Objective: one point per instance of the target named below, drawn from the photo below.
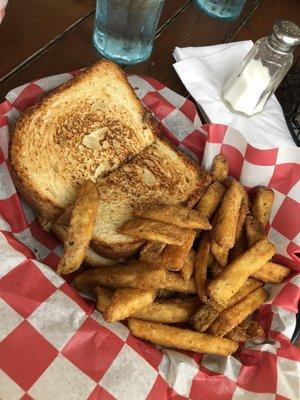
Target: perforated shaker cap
(285, 36)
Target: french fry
(45, 223)
(209, 312)
(254, 230)
(126, 302)
(151, 252)
(271, 273)
(139, 276)
(232, 278)
(240, 245)
(173, 257)
(175, 215)
(248, 287)
(210, 200)
(165, 294)
(182, 339)
(81, 228)
(254, 331)
(219, 169)
(220, 253)
(215, 268)
(65, 217)
(245, 200)
(224, 231)
(188, 266)
(241, 219)
(175, 283)
(246, 330)
(262, 205)
(91, 258)
(204, 317)
(140, 228)
(173, 311)
(233, 316)
(200, 270)
(104, 296)
(168, 256)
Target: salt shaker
(262, 70)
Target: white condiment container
(262, 70)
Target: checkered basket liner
(55, 345)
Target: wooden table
(46, 37)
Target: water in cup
(124, 29)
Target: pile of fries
(199, 276)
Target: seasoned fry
(262, 205)
(81, 228)
(141, 228)
(168, 256)
(204, 317)
(126, 302)
(188, 266)
(165, 294)
(220, 253)
(254, 331)
(246, 330)
(104, 297)
(210, 200)
(173, 311)
(175, 283)
(91, 258)
(61, 231)
(173, 257)
(175, 215)
(177, 338)
(151, 252)
(271, 273)
(139, 276)
(219, 169)
(65, 217)
(254, 230)
(225, 230)
(232, 278)
(233, 316)
(201, 264)
(215, 268)
(241, 219)
(45, 223)
(240, 245)
(248, 287)
(209, 312)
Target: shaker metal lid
(285, 36)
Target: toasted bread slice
(158, 175)
(82, 130)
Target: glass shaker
(258, 76)
(224, 10)
(124, 30)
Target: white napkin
(204, 70)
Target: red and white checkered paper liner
(54, 345)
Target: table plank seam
(34, 56)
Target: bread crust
(117, 250)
